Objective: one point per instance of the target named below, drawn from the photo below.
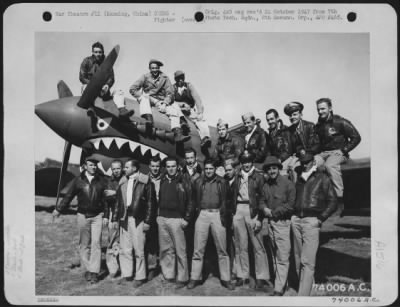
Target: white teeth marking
(144, 148)
(96, 143)
(119, 142)
(107, 142)
(132, 145)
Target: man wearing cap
(175, 213)
(338, 137)
(280, 194)
(89, 66)
(191, 105)
(229, 146)
(155, 89)
(248, 203)
(90, 188)
(280, 143)
(255, 138)
(315, 201)
(303, 135)
(134, 212)
(210, 195)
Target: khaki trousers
(172, 249)
(89, 241)
(210, 220)
(305, 246)
(280, 236)
(132, 239)
(243, 229)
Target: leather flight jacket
(143, 204)
(337, 133)
(229, 147)
(306, 139)
(91, 199)
(315, 197)
(256, 194)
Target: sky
(234, 73)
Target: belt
(243, 202)
(210, 210)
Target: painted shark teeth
(107, 141)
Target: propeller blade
(98, 80)
(64, 165)
(63, 89)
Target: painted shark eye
(102, 124)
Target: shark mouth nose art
(116, 145)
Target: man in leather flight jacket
(337, 137)
(135, 210)
(315, 201)
(248, 203)
(90, 188)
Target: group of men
(153, 89)
(255, 184)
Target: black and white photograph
(215, 162)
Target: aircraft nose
(64, 117)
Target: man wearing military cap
(255, 139)
(248, 203)
(91, 189)
(191, 105)
(315, 201)
(280, 195)
(303, 135)
(155, 89)
(229, 145)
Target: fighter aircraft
(92, 124)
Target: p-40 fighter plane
(92, 124)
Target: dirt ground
(343, 262)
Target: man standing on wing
(89, 67)
(90, 188)
(280, 194)
(315, 201)
(155, 89)
(248, 203)
(210, 194)
(338, 137)
(280, 143)
(135, 211)
(175, 213)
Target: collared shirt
(306, 175)
(89, 177)
(210, 196)
(243, 195)
(248, 136)
(280, 195)
(89, 67)
(191, 169)
(129, 190)
(156, 181)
